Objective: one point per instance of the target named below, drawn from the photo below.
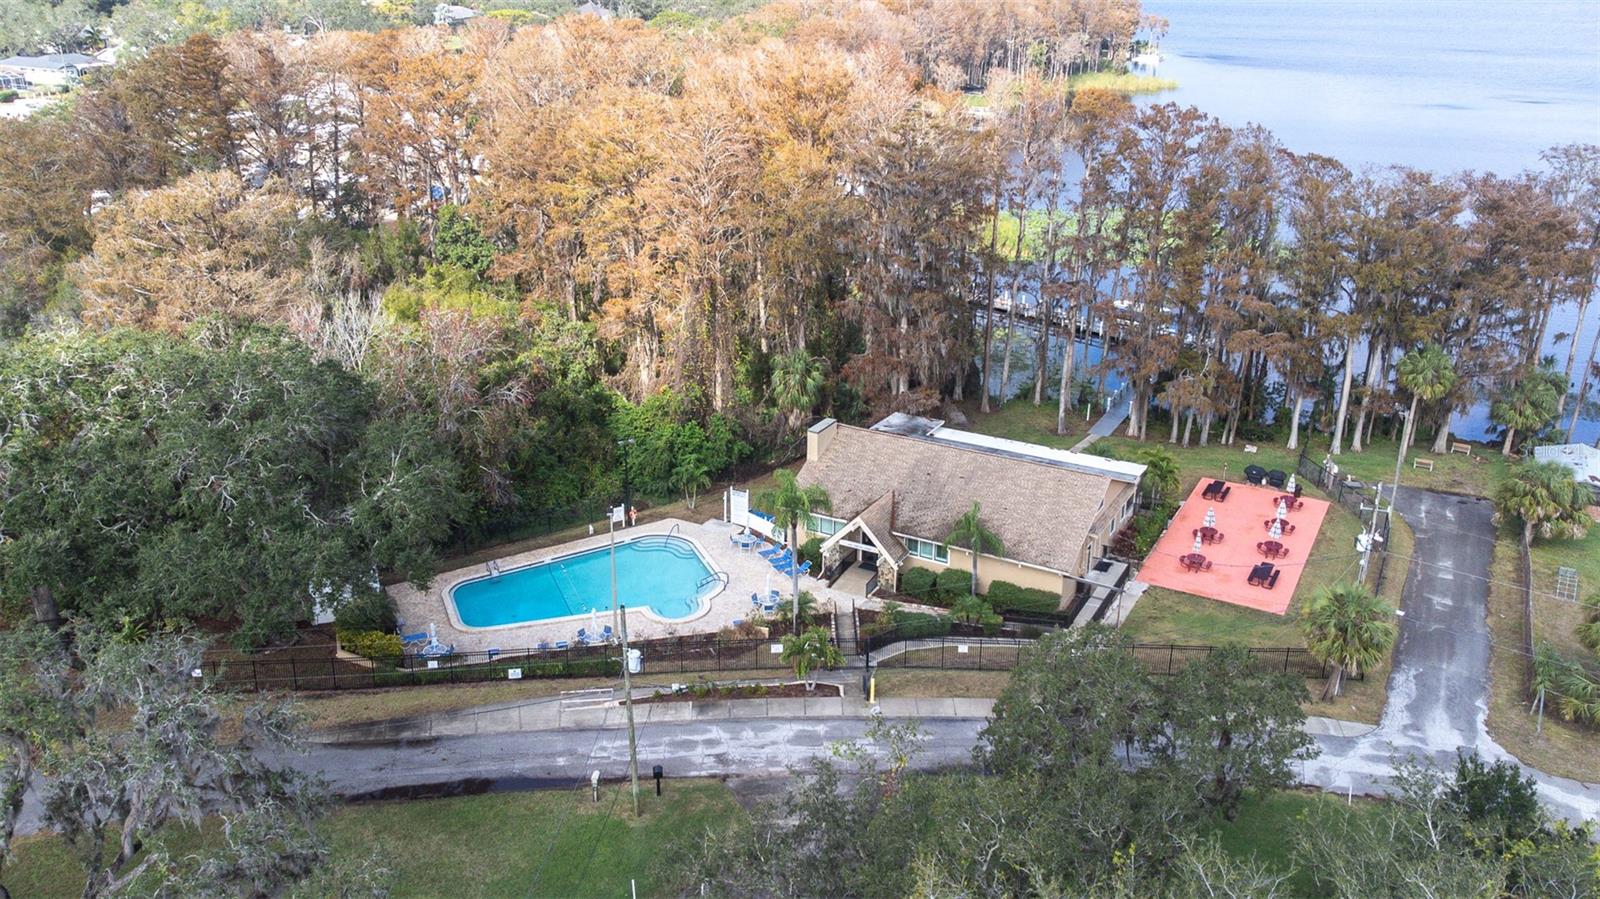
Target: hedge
(597, 667)
(1008, 597)
(912, 625)
(371, 644)
(918, 583)
(953, 583)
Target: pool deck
(747, 573)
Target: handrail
(674, 531)
(713, 576)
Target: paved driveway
(1439, 688)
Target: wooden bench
(1464, 449)
(1424, 464)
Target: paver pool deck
(1240, 521)
(747, 573)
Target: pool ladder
(493, 567)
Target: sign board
(738, 507)
(961, 648)
(619, 515)
(513, 674)
(777, 649)
(433, 663)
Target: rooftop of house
(934, 429)
(1583, 459)
(53, 61)
(1041, 508)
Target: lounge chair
(783, 561)
(773, 552)
(411, 639)
(605, 634)
(543, 646)
(583, 637)
(562, 644)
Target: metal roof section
(934, 429)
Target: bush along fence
(674, 655)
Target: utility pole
(627, 704)
(620, 614)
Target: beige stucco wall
(992, 569)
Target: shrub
(371, 644)
(1005, 596)
(1032, 632)
(974, 610)
(911, 625)
(1147, 527)
(366, 612)
(918, 582)
(811, 551)
(6, 96)
(952, 584)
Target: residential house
(898, 487)
(1583, 459)
(52, 70)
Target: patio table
(1193, 562)
(1272, 549)
(1283, 522)
(1208, 535)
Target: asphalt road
(755, 748)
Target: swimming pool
(665, 575)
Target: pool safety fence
(299, 670)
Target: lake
(1445, 86)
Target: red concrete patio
(1243, 522)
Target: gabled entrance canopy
(871, 531)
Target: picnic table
(1212, 490)
(1281, 522)
(1194, 562)
(1294, 503)
(1272, 549)
(1263, 575)
(1208, 535)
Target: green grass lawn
(1476, 474)
(1020, 419)
(1266, 826)
(553, 843)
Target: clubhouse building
(898, 488)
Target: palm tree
(970, 533)
(1349, 628)
(790, 504)
(1429, 374)
(1528, 405)
(1160, 472)
(809, 651)
(797, 382)
(1546, 499)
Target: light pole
(620, 614)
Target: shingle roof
(878, 517)
(1042, 513)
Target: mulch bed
(748, 691)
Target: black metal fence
(682, 655)
(1003, 654)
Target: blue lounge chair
(543, 645)
(780, 561)
(772, 552)
(583, 637)
(605, 634)
(562, 644)
(410, 639)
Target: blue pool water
(664, 574)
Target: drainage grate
(1567, 584)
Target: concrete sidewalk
(565, 714)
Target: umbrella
(1197, 544)
(1283, 509)
(594, 620)
(1290, 486)
(1277, 528)
(1211, 517)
